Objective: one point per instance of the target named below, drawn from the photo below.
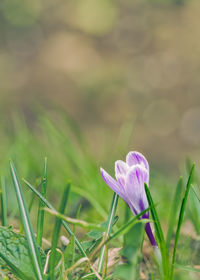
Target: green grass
(40, 218)
(90, 216)
(33, 249)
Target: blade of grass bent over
(108, 229)
(188, 268)
(75, 222)
(32, 245)
(66, 226)
(159, 233)
(57, 231)
(180, 220)
(4, 208)
(40, 219)
(174, 210)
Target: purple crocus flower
(129, 185)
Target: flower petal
(113, 184)
(134, 188)
(134, 158)
(121, 169)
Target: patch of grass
(90, 222)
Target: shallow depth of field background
(126, 72)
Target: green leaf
(14, 253)
(40, 219)
(66, 226)
(180, 220)
(32, 245)
(56, 232)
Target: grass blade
(159, 234)
(40, 219)
(188, 268)
(32, 245)
(66, 226)
(158, 229)
(75, 222)
(174, 210)
(108, 229)
(180, 220)
(57, 231)
(4, 208)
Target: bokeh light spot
(94, 16)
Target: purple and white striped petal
(134, 187)
(129, 184)
(113, 184)
(121, 169)
(134, 158)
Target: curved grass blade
(40, 219)
(4, 208)
(159, 234)
(75, 222)
(180, 220)
(66, 226)
(108, 229)
(174, 210)
(32, 245)
(188, 268)
(57, 231)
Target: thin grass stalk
(180, 220)
(108, 229)
(4, 207)
(40, 219)
(66, 226)
(32, 245)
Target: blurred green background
(125, 72)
